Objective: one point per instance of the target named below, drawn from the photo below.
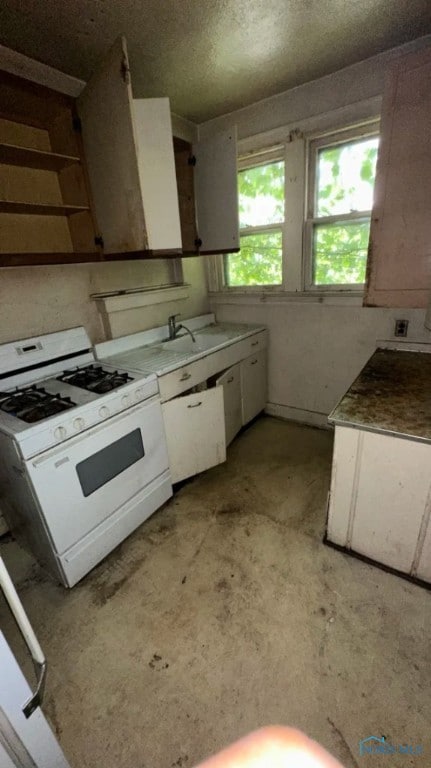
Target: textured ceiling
(212, 56)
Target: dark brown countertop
(392, 394)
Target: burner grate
(33, 404)
(95, 379)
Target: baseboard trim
(369, 561)
(302, 416)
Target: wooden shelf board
(45, 259)
(40, 209)
(11, 154)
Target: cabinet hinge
(198, 242)
(125, 70)
(77, 124)
(192, 160)
(98, 240)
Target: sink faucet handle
(172, 325)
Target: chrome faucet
(174, 329)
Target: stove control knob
(60, 433)
(139, 393)
(79, 423)
(104, 412)
(125, 400)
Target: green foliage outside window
(257, 263)
(340, 253)
(261, 195)
(344, 185)
(261, 203)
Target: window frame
(313, 145)
(292, 142)
(274, 154)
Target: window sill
(253, 296)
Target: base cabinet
(380, 499)
(195, 432)
(230, 380)
(205, 403)
(253, 385)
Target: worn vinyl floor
(225, 612)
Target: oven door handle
(20, 616)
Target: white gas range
(83, 458)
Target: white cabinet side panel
(216, 191)
(391, 499)
(156, 165)
(344, 466)
(105, 108)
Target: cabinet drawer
(195, 432)
(172, 384)
(254, 343)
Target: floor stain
(157, 663)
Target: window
(261, 221)
(341, 184)
(304, 213)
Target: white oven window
(106, 464)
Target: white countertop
(144, 351)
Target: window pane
(345, 177)
(340, 252)
(261, 195)
(257, 263)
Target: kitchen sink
(203, 342)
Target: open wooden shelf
(11, 154)
(40, 209)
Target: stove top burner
(33, 403)
(95, 379)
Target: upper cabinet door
(106, 110)
(216, 190)
(156, 166)
(399, 257)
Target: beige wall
(317, 350)
(36, 300)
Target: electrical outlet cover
(401, 327)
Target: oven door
(85, 480)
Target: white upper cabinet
(129, 152)
(216, 192)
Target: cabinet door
(216, 190)
(186, 194)
(253, 385)
(106, 110)
(230, 380)
(195, 433)
(156, 166)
